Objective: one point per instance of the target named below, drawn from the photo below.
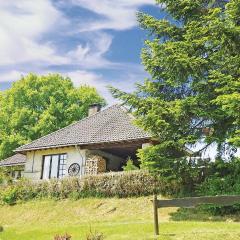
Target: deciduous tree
(37, 105)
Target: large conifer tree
(193, 93)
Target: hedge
(126, 184)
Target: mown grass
(115, 218)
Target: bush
(130, 166)
(207, 213)
(5, 177)
(126, 184)
(223, 180)
(9, 196)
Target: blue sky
(91, 41)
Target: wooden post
(155, 214)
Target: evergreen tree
(194, 90)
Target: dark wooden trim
(50, 169)
(43, 161)
(58, 165)
(110, 145)
(195, 201)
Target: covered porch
(111, 157)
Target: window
(62, 165)
(54, 166)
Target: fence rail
(189, 203)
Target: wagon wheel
(74, 169)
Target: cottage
(99, 143)
(15, 165)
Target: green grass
(115, 218)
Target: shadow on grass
(208, 213)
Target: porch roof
(15, 160)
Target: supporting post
(155, 214)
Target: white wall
(33, 166)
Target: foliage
(9, 196)
(223, 180)
(130, 165)
(5, 177)
(180, 175)
(127, 184)
(37, 105)
(194, 64)
(207, 213)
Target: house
(99, 143)
(15, 165)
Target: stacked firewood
(95, 164)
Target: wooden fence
(190, 202)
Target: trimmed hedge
(126, 184)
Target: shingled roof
(113, 124)
(15, 160)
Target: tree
(37, 105)
(194, 90)
(130, 165)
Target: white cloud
(22, 26)
(125, 82)
(11, 76)
(92, 54)
(25, 28)
(28, 30)
(117, 14)
(93, 80)
(81, 77)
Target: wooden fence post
(155, 213)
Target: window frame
(60, 155)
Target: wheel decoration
(74, 169)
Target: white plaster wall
(33, 166)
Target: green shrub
(5, 177)
(223, 180)
(9, 196)
(130, 166)
(126, 184)
(207, 213)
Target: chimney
(94, 108)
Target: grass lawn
(115, 218)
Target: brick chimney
(94, 108)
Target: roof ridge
(72, 124)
